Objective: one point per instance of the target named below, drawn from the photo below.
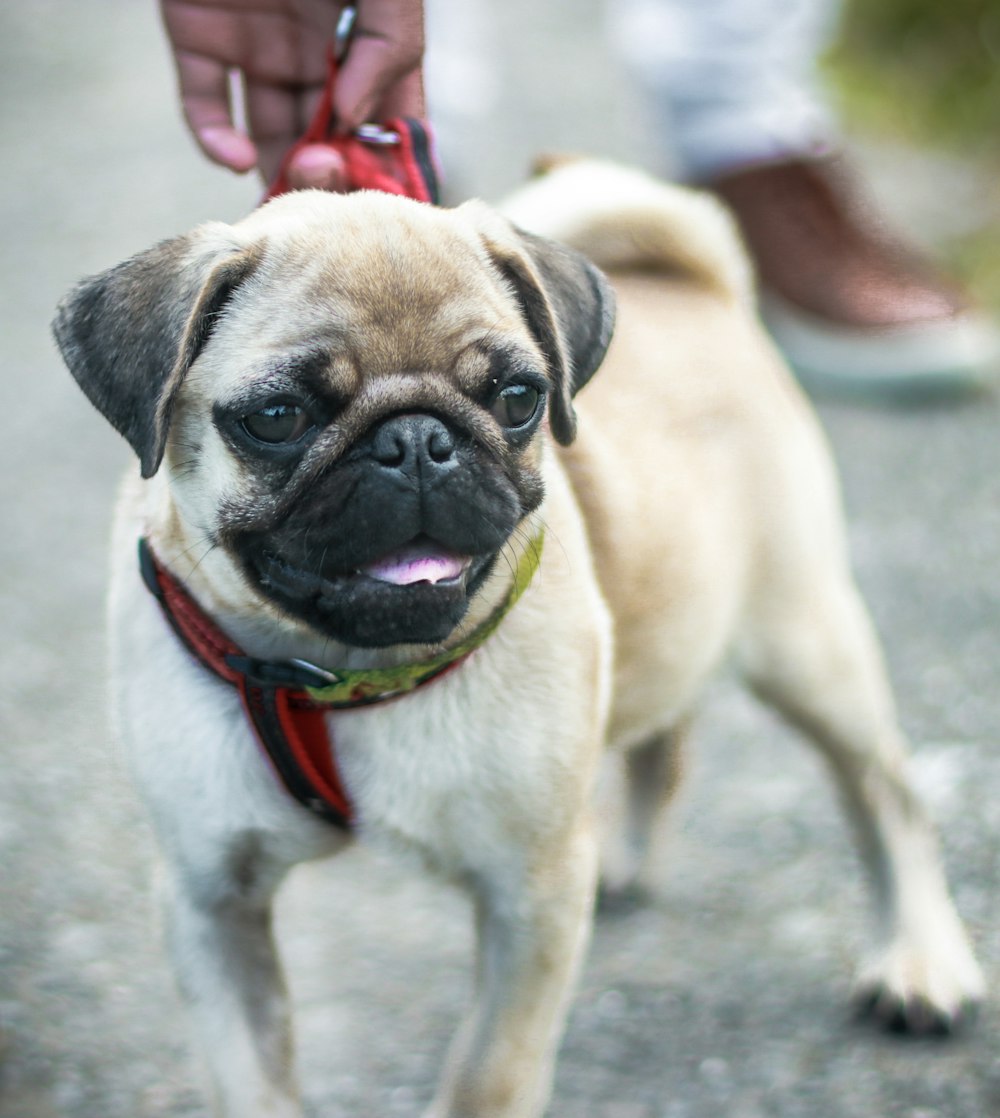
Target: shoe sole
(930, 359)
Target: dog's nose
(412, 443)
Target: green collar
(349, 688)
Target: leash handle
(395, 156)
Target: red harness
(287, 701)
(290, 724)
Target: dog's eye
(515, 405)
(277, 423)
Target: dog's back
(699, 466)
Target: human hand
(278, 50)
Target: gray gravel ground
(727, 996)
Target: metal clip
(376, 135)
(326, 678)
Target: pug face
(349, 395)
(378, 464)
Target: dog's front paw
(924, 989)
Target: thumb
(317, 167)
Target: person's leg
(732, 83)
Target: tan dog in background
(337, 391)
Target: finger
(405, 98)
(318, 167)
(277, 116)
(384, 56)
(373, 85)
(204, 92)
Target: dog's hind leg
(637, 787)
(810, 650)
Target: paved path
(725, 998)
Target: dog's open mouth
(416, 593)
(421, 560)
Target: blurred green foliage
(975, 259)
(926, 70)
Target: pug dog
(379, 496)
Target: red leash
(395, 157)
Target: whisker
(211, 547)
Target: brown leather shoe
(850, 304)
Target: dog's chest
(451, 767)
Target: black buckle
(281, 673)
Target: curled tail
(624, 218)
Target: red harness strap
(290, 726)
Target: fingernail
(229, 147)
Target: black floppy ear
(130, 334)
(569, 307)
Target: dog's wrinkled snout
(414, 445)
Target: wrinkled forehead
(395, 278)
(347, 294)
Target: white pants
(730, 82)
(725, 82)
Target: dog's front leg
(532, 929)
(228, 972)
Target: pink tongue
(416, 563)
